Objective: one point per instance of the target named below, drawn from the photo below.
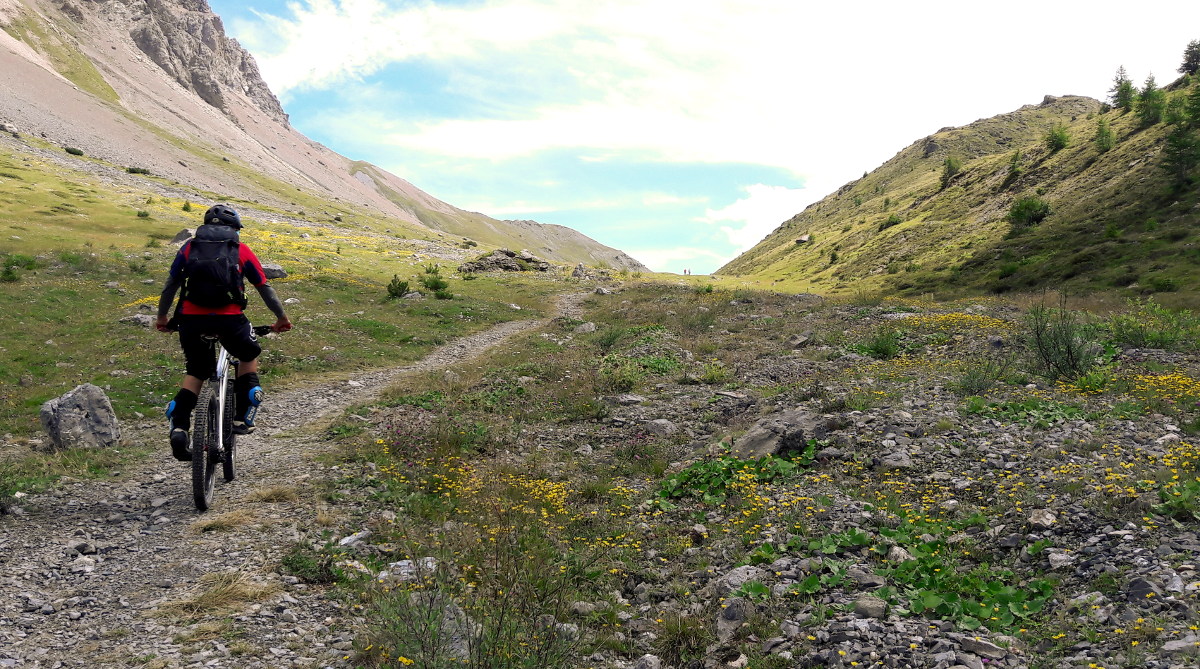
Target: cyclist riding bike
(212, 269)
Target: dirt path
(99, 573)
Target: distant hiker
(212, 268)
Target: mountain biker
(217, 283)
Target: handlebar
(262, 330)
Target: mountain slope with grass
(942, 215)
(157, 86)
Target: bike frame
(224, 362)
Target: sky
(681, 132)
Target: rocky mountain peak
(187, 40)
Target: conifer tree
(1152, 102)
(1181, 154)
(1192, 108)
(1191, 58)
(1122, 94)
(1105, 139)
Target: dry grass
(325, 518)
(278, 493)
(205, 631)
(224, 521)
(218, 593)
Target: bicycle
(213, 440)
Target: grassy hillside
(78, 253)
(1116, 221)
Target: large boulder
(780, 433)
(274, 270)
(82, 418)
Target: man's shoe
(242, 427)
(179, 444)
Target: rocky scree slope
(921, 526)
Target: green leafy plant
(73, 151)
(754, 591)
(712, 480)
(1033, 411)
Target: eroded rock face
(187, 40)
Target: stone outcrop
(780, 433)
(504, 260)
(187, 40)
(82, 418)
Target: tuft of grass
(217, 593)
(278, 493)
(223, 522)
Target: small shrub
(433, 268)
(443, 294)
(884, 344)
(892, 219)
(1029, 210)
(434, 283)
(73, 151)
(1148, 324)
(1163, 284)
(137, 170)
(143, 214)
(153, 243)
(397, 288)
(1057, 138)
(704, 288)
(187, 206)
(1059, 344)
(9, 274)
(950, 168)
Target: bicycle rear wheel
(204, 447)
(230, 441)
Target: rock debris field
(939, 508)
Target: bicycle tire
(204, 447)
(228, 459)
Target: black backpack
(212, 275)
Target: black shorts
(234, 333)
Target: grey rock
(896, 461)
(585, 328)
(1141, 590)
(736, 578)
(82, 418)
(141, 320)
(731, 618)
(870, 606)
(274, 270)
(779, 433)
(1043, 519)
(662, 427)
(648, 662)
(982, 647)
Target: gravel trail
(107, 572)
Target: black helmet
(223, 214)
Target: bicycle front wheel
(204, 446)
(230, 440)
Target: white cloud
(768, 82)
(760, 212)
